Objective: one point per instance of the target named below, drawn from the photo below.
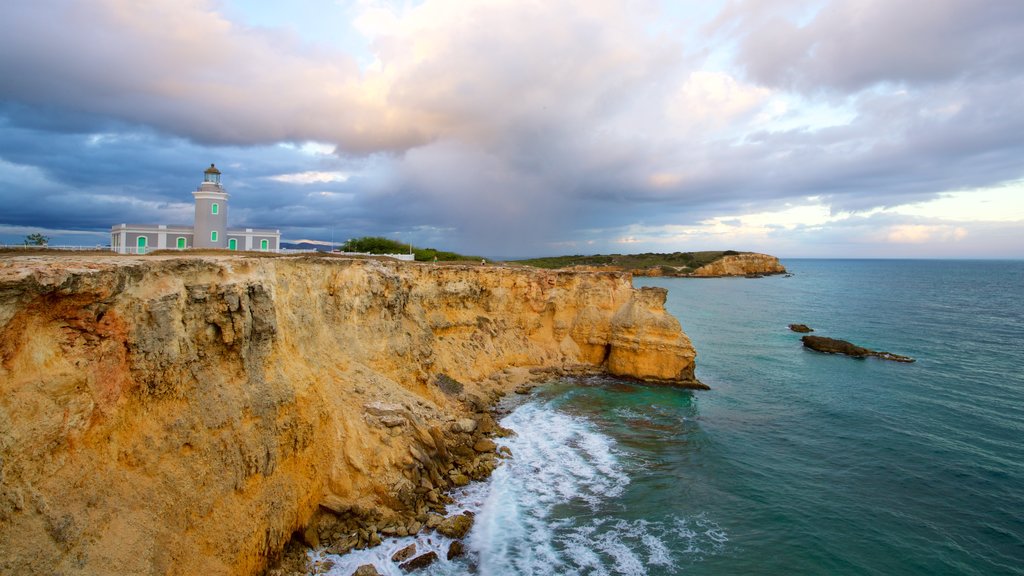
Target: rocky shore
(195, 415)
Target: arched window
(140, 243)
(214, 208)
(232, 244)
(181, 243)
(264, 244)
(213, 236)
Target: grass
(381, 245)
(670, 263)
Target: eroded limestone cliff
(167, 415)
(744, 264)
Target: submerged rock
(834, 346)
(802, 328)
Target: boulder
(802, 328)
(434, 520)
(485, 445)
(456, 526)
(404, 554)
(456, 549)
(421, 561)
(366, 570)
(467, 425)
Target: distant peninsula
(707, 264)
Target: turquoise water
(795, 462)
(830, 465)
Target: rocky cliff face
(187, 415)
(746, 264)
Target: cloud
(310, 177)
(921, 233)
(504, 126)
(849, 45)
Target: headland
(191, 414)
(708, 264)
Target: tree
(36, 239)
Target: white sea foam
(551, 509)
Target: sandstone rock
(743, 264)
(335, 504)
(385, 409)
(434, 520)
(803, 328)
(366, 570)
(485, 445)
(456, 526)
(323, 567)
(486, 423)
(392, 421)
(455, 549)
(310, 537)
(421, 561)
(404, 554)
(637, 329)
(467, 425)
(448, 385)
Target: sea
(795, 462)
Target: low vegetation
(381, 245)
(671, 263)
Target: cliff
(169, 415)
(744, 264)
(675, 264)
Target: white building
(210, 229)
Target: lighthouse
(209, 230)
(211, 223)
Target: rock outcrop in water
(743, 264)
(168, 415)
(833, 346)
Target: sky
(517, 128)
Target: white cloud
(922, 233)
(709, 100)
(310, 177)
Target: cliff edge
(187, 415)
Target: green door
(232, 244)
(264, 244)
(140, 243)
(181, 243)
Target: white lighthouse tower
(211, 224)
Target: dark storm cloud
(519, 128)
